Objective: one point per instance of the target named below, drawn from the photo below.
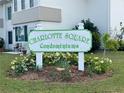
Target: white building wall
(1, 16)
(8, 25)
(116, 14)
(73, 11)
(1, 11)
(2, 33)
(98, 12)
(36, 3)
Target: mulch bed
(51, 74)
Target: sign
(60, 41)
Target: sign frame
(39, 54)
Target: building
(18, 17)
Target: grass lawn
(113, 84)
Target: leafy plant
(109, 43)
(113, 45)
(120, 37)
(105, 39)
(23, 64)
(97, 65)
(56, 58)
(121, 43)
(95, 33)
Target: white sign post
(60, 41)
(39, 55)
(81, 61)
(39, 60)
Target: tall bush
(109, 43)
(120, 37)
(95, 33)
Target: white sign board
(61, 41)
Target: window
(21, 33)
(23, 4)
(9, 13)
(31, 3)
(10, 41)
(15, 5)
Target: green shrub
(97, 65)
(109, 43)
(95, 34)
(112, 45)
(1, 42)
(23, 64)
(96, 42)
(105, 39)
(120, 38)
(121, 44)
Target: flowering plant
(98, 65)
(56, 57)
(23, 64)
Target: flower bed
(60, 67)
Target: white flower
(26, 69)
(32, 60)
(12, 62)
(102, 61)
(110, 61)
(26, 59)
(13, 67)
(21, 54)
(91, 53)
(57, 54)
(96, 58)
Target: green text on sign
(60, 41)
